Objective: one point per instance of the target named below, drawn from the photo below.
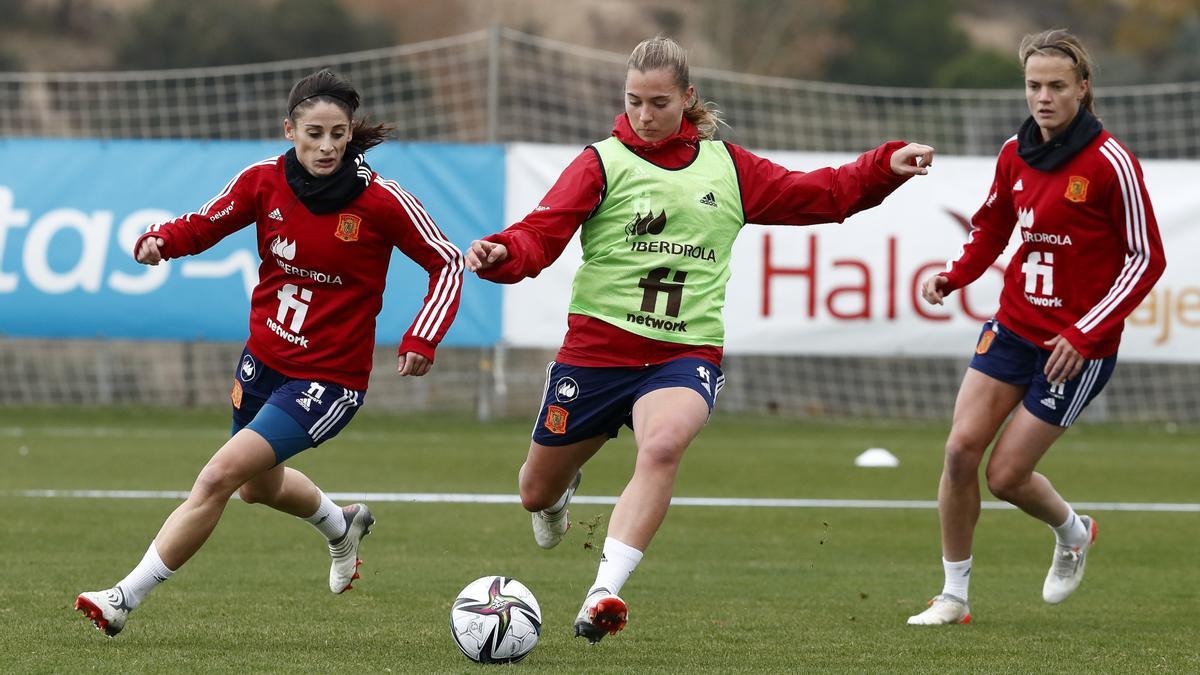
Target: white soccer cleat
(603, 613)
(106, 609)
(943, 610)
(550, 528)
(344, 549)
(1066, 570)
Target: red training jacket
(771, 195)
(1090, 248)
(320, 284)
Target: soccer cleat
(943, 609)
(106, 609)
(344, 549)
(550, 528)
(1066, 570)
(602, 614)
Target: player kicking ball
(645, 330)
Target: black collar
(328, 193)
(1049, 155)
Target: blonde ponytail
(662, 52)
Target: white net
(433, 91)
(502, 85)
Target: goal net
(499, 86)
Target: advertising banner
(71, 210)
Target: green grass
(720, 590)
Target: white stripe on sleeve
(1138, 259)
(431, 317)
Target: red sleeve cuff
(952, 283)
(508, 270)
(415, 345)
(162, 249)
(885, 162)
(1083, 344)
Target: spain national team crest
(347, 227)
(1077, 189)
(556, 419)
(236, 395)
(985, 341)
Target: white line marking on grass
(111, 432)
(217, 433)
(466, 498)
(104, 494)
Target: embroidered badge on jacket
(347, 227)
(1077, 189)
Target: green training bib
(656, 252)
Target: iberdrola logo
(1025, 218)
(282, 248)
(647, 224)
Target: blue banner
(71, 210)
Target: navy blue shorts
(582, 402)
(293, 415)
(1008, 357)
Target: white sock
(558, 505)
(958, 577)
(328, 519)
(617, 562)
(148, 574)
(1071, 532)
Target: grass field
(721, 589)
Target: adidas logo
(275, 215)
(1048, 402)
(709, 200)
(1018, 186)
(305, 403)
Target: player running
(1090, 251)
(326, 226)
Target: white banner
(853, 288)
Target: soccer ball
(495, 620)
